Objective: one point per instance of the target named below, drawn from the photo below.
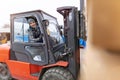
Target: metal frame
(70, 15)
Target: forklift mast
(82, 20)
(72, 34)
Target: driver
(34, 31)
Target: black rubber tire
(57, 73)
(4, 72)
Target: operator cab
(40, 53)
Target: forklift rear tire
(57, 73)
(4, 72)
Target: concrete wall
(101, 61)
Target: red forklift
(24, 60)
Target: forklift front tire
(57, 73)
(4, 72)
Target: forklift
(24, 60)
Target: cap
(31, 20)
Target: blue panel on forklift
(82, 43)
